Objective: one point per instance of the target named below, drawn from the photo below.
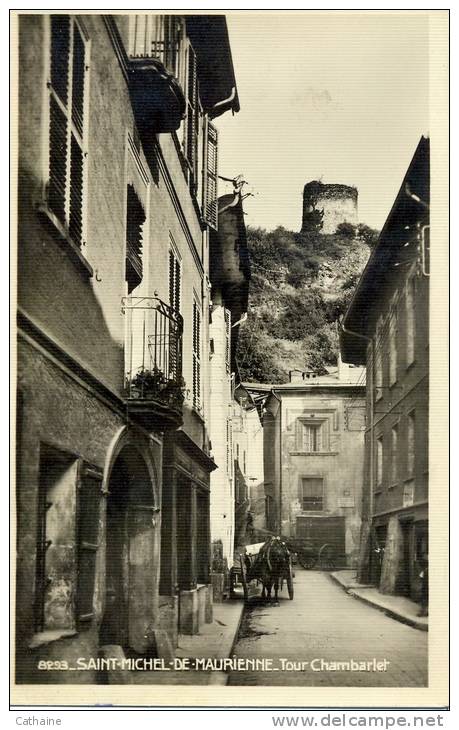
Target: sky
(338, 97)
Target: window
(229, 447)
(175, 275)
(312, 494)
(196, 355)
(410, 320)
(379, 461)
(56, 559)
(393, 345)
(192, 119)
(228, 340)
(68, 68)
(314, 437)
(67, 540)
(210, 201)
(394, 455)
(135, 218)
(411, 437)
(408, 493)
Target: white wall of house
(221, 481)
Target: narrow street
(323, 625)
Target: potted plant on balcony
(153, 384)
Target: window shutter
(57, 159)
(211, 181)
(171, 279)
(78, 73)
(196, 356)
(228, 340)
(60, 52)
(177, 286)
(318, 432)
(192, 114)
(135, 218)
(76, 192)
(89, 496)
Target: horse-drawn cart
(311, 554)
(268, 563)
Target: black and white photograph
(228, 304)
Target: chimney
(301, 376)
(296, 376)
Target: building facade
(117, 195)
(313, 459)
(387, 327)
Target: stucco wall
(341, 470)
(59, 412)
(84, 314)
(221, 485)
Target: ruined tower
(326, 206)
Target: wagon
(242, 571)
(310, 554)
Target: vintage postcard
(231, 274)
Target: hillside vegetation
(301, 284)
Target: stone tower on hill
(326, 206)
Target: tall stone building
(387, 328)
(313, 429)
(117, 196)
(327, 206)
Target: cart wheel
(245, 587)
(327, 557)
(306, 561)
(290, 582)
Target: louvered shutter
(78, 74)
(66, 160)
(135, 219)
(211, 179)
(76, 192)
(60, 52)
(177, 286)
(89, 498)
(196, 356)
(192, 115)
(57, 159)
(171, 279)
(228, 340)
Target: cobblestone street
(323, 625)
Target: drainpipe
(372, 435)
(280, 459)
(221, 106)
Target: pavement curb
(384, 609)
(221, 678)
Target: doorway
(130, 563)
(405, 572)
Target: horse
(270, 566)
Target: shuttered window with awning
(67, 82)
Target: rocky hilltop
(301, 284)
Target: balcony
(154, 384)
(157, 71)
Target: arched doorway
(131, 553)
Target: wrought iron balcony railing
(153, 353)
(159, 36)
(157, 57)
